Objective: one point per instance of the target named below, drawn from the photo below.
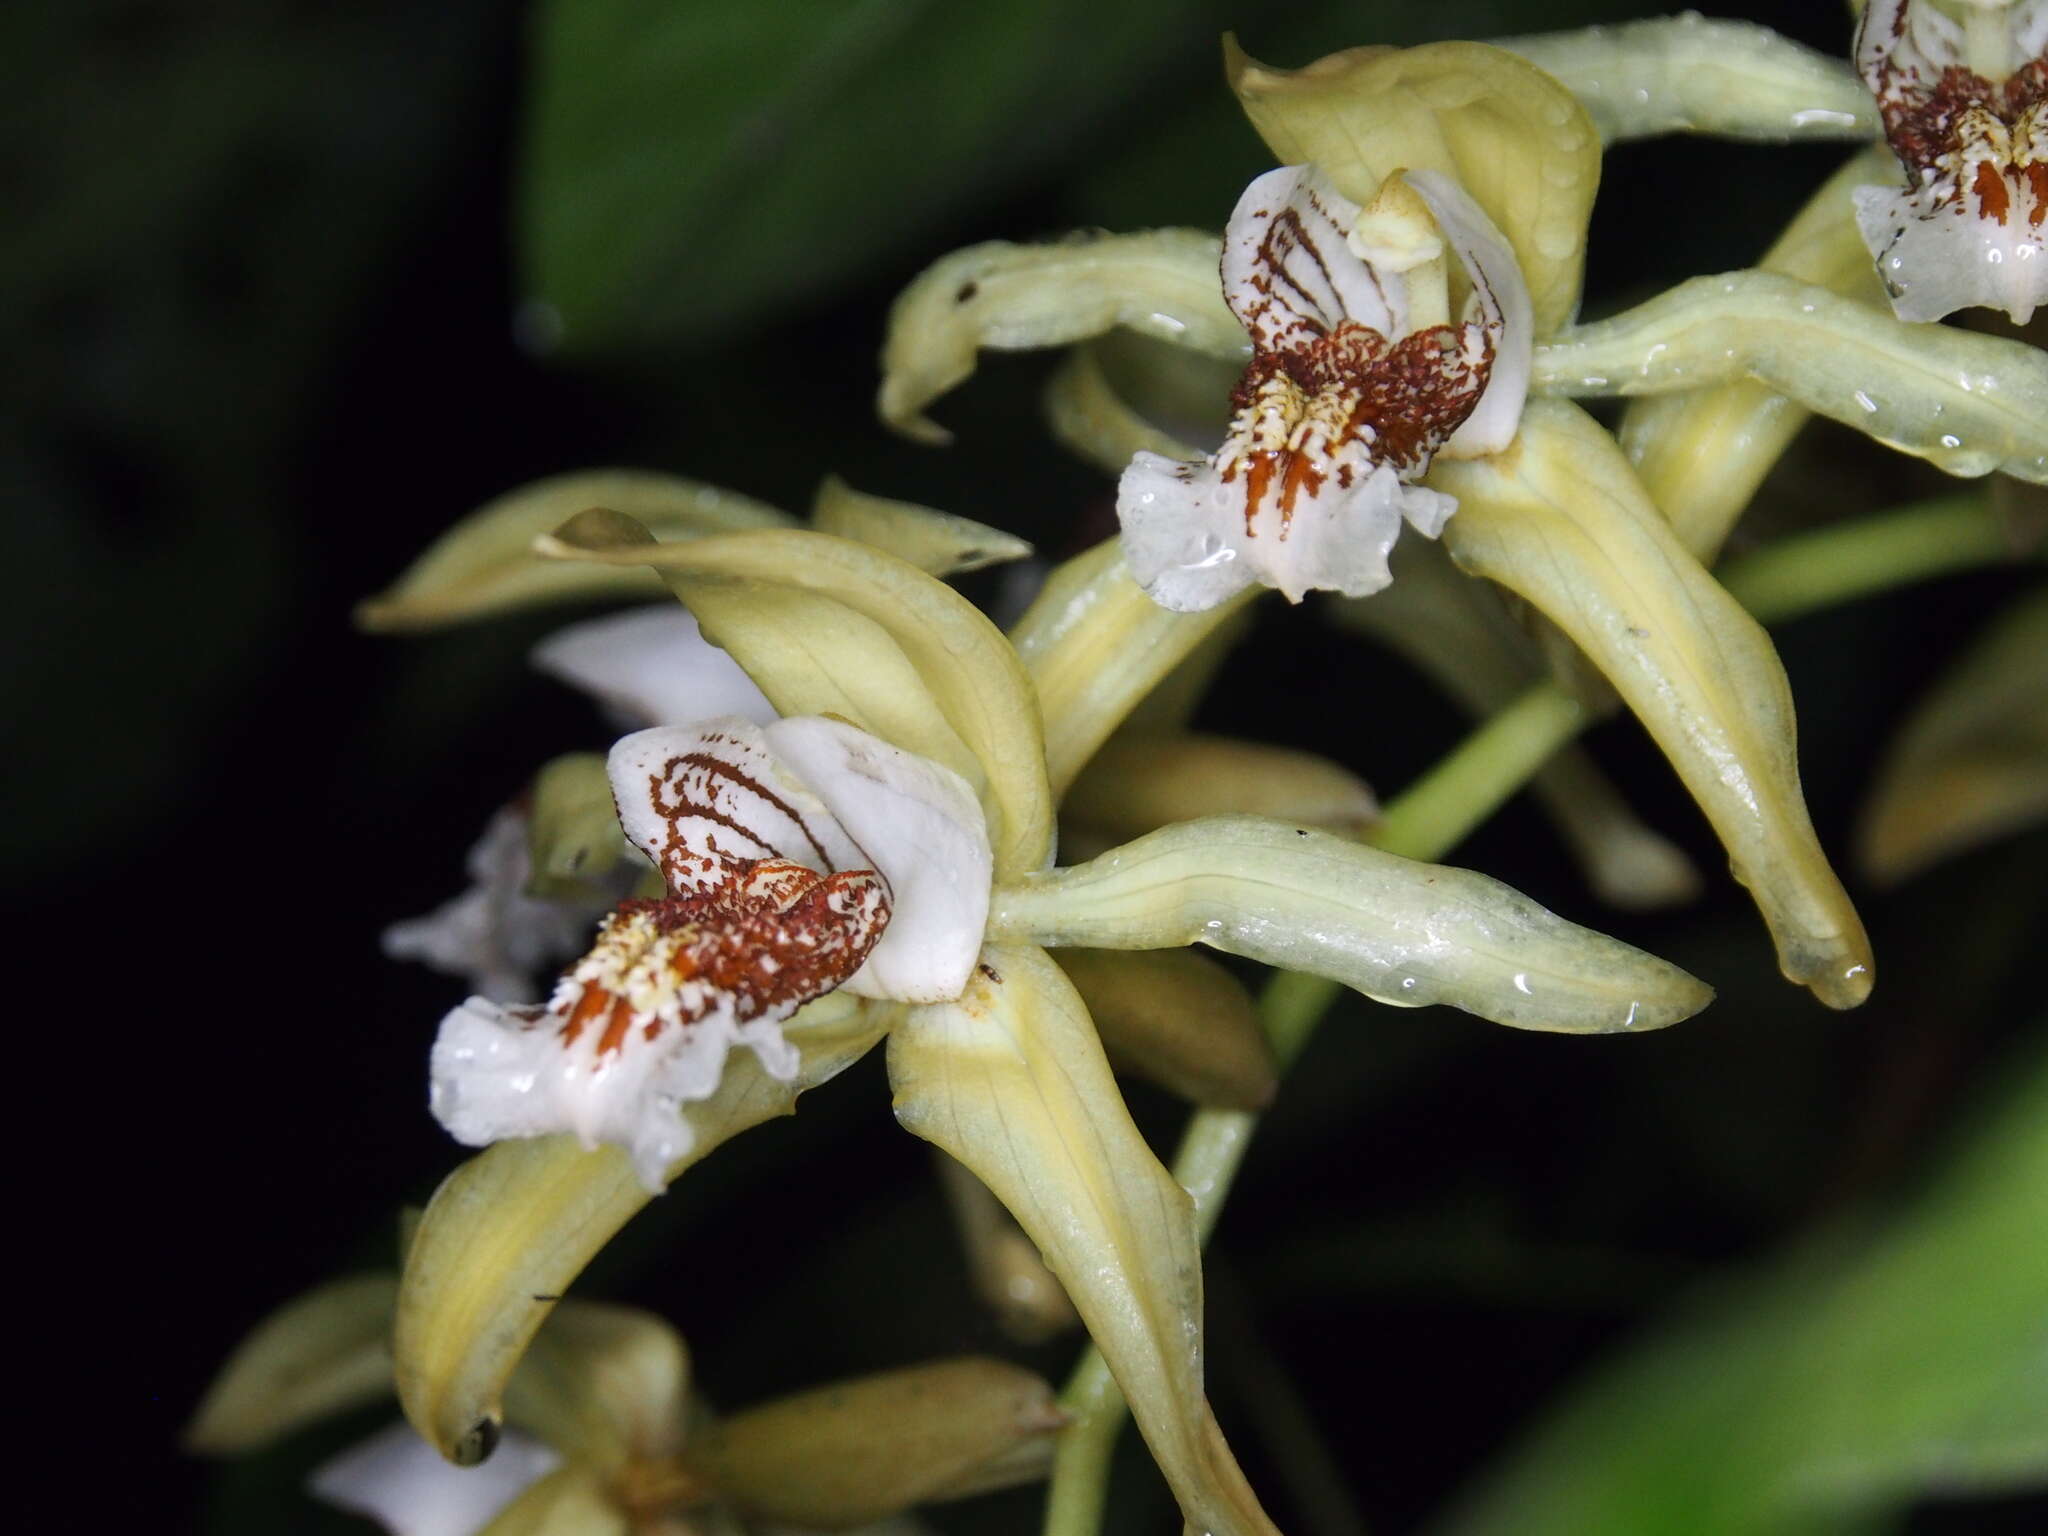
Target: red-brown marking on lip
(816, 929)
(1994, 201)
(1401, 400)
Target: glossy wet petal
(1010, 1079)
(1702, 453)
(1458, 632)
(1687, 74)
(1398, 930)
(1563, 522)
(1970, 404)
(1005, 296)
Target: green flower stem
(1849, 560)
(1791, 577)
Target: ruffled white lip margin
(798, 857)
(1344, 405)
(1970, 230)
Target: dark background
(257, 300)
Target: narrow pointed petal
(1140, 782)
(327, 1351)
(1512, 137)
(398, 1480)
(1967, 403)
(1458, 633)
(1686, 74)
(1398, 930)
(1094, 646)
(651, 666)
(1011, 297)
(1010, 1079)
(828, 626)
(485, 564)
(861, 1450)
(1702, 453)
(1971, 762)
(1177, 1019)
(933, 541)
(1562, 521)
(509, 1230)
(919, 826)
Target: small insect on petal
(1967, 116)
(1352, 388)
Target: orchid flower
(1965, 108)
(604, 1437)
(883, 850)
(1555, 513)
(647, 666)
(1357, 380)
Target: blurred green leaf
(688, 166)
(1971, 762)
(1841, 1382)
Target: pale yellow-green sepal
(485, 564)
(1093, 420)
(570, 1501)
(573, 838)
(1686, 74)
(1178, 1019)
(1971, 762)
(1140, 782)
(1010, 1079)
(1095, 645)
(509, 1230)
(1969, 404)
(1516, 140)
(603, 1385)
(1457, 631)
(325, 1352)
(1701, 454)
(856, 1451)
(1560, 519)
(1398, 930)
(828, 626)
(934, 541)
(1162, 283)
